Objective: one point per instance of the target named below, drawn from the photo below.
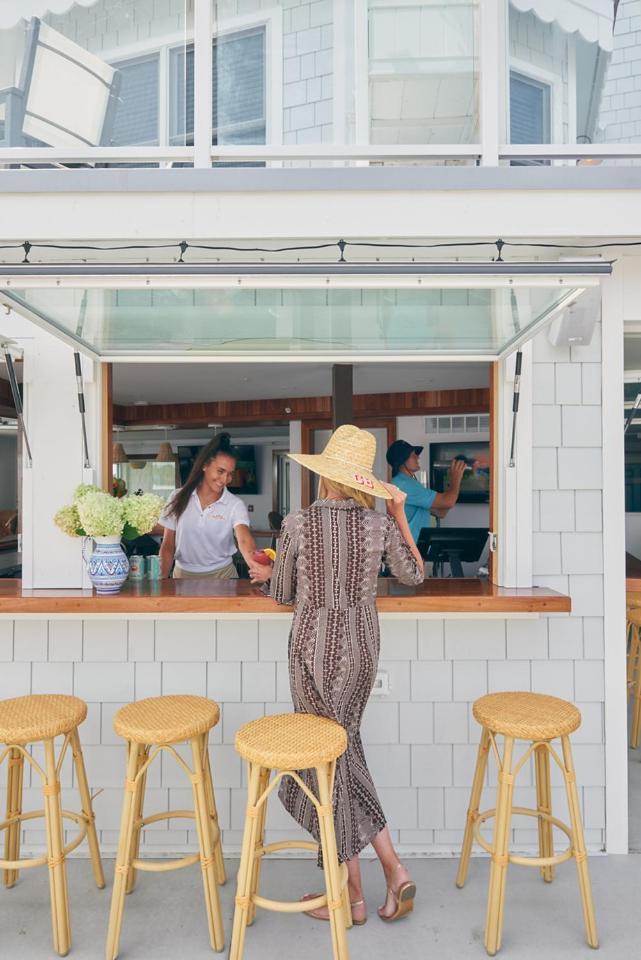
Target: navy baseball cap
(399, 452)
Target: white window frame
(544, 77)
(271, 20)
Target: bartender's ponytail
(220, 444)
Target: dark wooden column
(342, 394)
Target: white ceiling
(208, 382)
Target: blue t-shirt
(418, 503)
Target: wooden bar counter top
(240, 597)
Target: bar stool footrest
(525, 861)
(162, 866)
(80, 818)
(294, 906)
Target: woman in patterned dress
(328, 561)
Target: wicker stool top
(633, 615)
(527, 716)
(291, 741)
(39, 717)
(166, 719)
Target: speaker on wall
(573, 327)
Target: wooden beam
(107, 421)
(236, 413)
(342, 394)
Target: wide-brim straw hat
(348, 458)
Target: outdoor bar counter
(443, 644)
(241, 597)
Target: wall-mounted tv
(245, 478)
(475, 487)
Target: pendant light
(118, 454)
(165, 453)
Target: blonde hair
(327, 487)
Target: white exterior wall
(620, 115)
(420, 739)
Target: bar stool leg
(263, 783)
(473, 809)
(139, 803)
(203, 824)
(219, 860)
(337, 919)
(55, 852)
(544, 805)
(87, 809)
(243, 888)
(498, 869)
(124, 851)
(14, 809)
(578, 845)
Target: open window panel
(253, 339)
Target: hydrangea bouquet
(106, 520)
(95, 513)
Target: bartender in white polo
(203, 521)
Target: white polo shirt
(205, 538)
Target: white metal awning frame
(573, 277)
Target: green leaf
(129, 532)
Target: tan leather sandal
(316, 916)
(403, 898)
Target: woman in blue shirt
(421, 502)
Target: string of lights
(183, 246)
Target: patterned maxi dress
(327, 564)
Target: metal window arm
(17, 400)
(515, 404)
(81, 407)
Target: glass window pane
(136, 115)
(423, 72)
(238, 90)
(147, 476)
(529, 110)
(296, 321)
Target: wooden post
(107, 427)
(342, 394)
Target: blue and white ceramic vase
(108, 565)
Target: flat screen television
(245, 478)
(475, 487)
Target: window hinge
(493, 542)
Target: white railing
(490, 150)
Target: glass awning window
(305, 318)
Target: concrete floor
(164, 918)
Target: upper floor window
(529, 110)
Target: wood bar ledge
(239, 596)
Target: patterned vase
(108, 565)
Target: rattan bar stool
(150, 727)
(634, 671)
(539, 719)
(287, 744)
(34, 719)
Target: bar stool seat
(289, 744)
(39, 717)
(33, 719)
(150, 727)
(539, 719)
(527, 716)
(291, 740)
(169, 719)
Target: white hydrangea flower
(101, 515)
(142, 513)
